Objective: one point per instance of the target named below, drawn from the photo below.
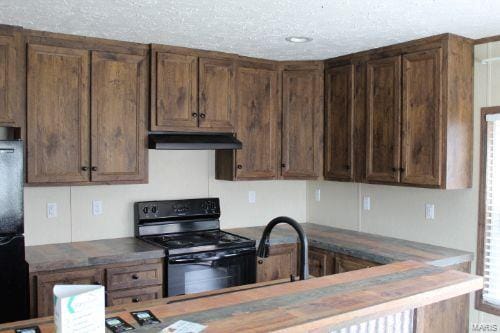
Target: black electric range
(200, 256)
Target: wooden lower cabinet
(124, 283)
(321, 262)
(345, 263)
(281, 263)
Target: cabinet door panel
(345, 263)
(216, 94)
(302, 124)
(118, 117)
(9, 81)
(383, 119)
(258, 118)
(339, 118)
(46, 282)
(175, 87)
(281, 263)
(321, 262)
(58, 114)
(421, 120)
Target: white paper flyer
(79, 308)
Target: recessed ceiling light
(298, 39)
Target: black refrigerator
(13, 266)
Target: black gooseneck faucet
(263, 250)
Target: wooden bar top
(375, 248)
(90, 253)
(319, 304)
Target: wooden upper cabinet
(257, 121)
(119, 107)
(422, 118)
(383, 119)
(216, 94)
(339, 123)
(11, 77)
(58, 114)
(302, 126)
(174, 104)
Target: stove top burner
(195, 239)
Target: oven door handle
(197, 260)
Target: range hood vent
(193, 141)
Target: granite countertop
(321, 304)
(90, 253)
(379, 249)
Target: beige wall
(399, 211)
(173, 175)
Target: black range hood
(193, 141)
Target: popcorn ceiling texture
(258, 27)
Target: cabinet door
(257, 123)
(119, 106)
(383, 104)
(174, 92)
(281, 263)
(345, 263)
(45, 283)
(216, 95)
(58, 114)
(10, 79)
(321, 262)
(339, 127)
(421, 120)
(302, 126)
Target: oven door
(194, 273)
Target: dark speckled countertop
(379, 249)
(90, 253)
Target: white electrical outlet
(367, 203)
(252, 197)
(51, 210)
(317, 195)
(96, 207)
(430, 212)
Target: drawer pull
(135, 276)
(260, 261)
(136, 300)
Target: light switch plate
(430, 211)
(51, 210)
(317, 195)
(367, 203)
(252, 197)
(96, 207)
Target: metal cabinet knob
(85, 168)
(94, 168)
(194, 114)
(394, 169)
(202, 115)
(283, 165)
(402, 169)
(347, 167)
(136, 299)
(260, 261)
(239, 166)
(135, 277)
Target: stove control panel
(172, 209)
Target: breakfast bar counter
(322, 304)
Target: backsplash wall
(172, 175)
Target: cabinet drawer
(133, 295)
(133, 276)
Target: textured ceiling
(258, 27)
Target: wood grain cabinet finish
(119, 108)
(58, 144)
(339, 123)
(87, 105)
(257, 120)
(12, 81)
(216, 94)
(281, 263)
(127, 282)
(383, 119)
(422, 118)
(302, 124)
(345, 263)
(45, 283)
(174, 104)
(192, 90)
(321, 262)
